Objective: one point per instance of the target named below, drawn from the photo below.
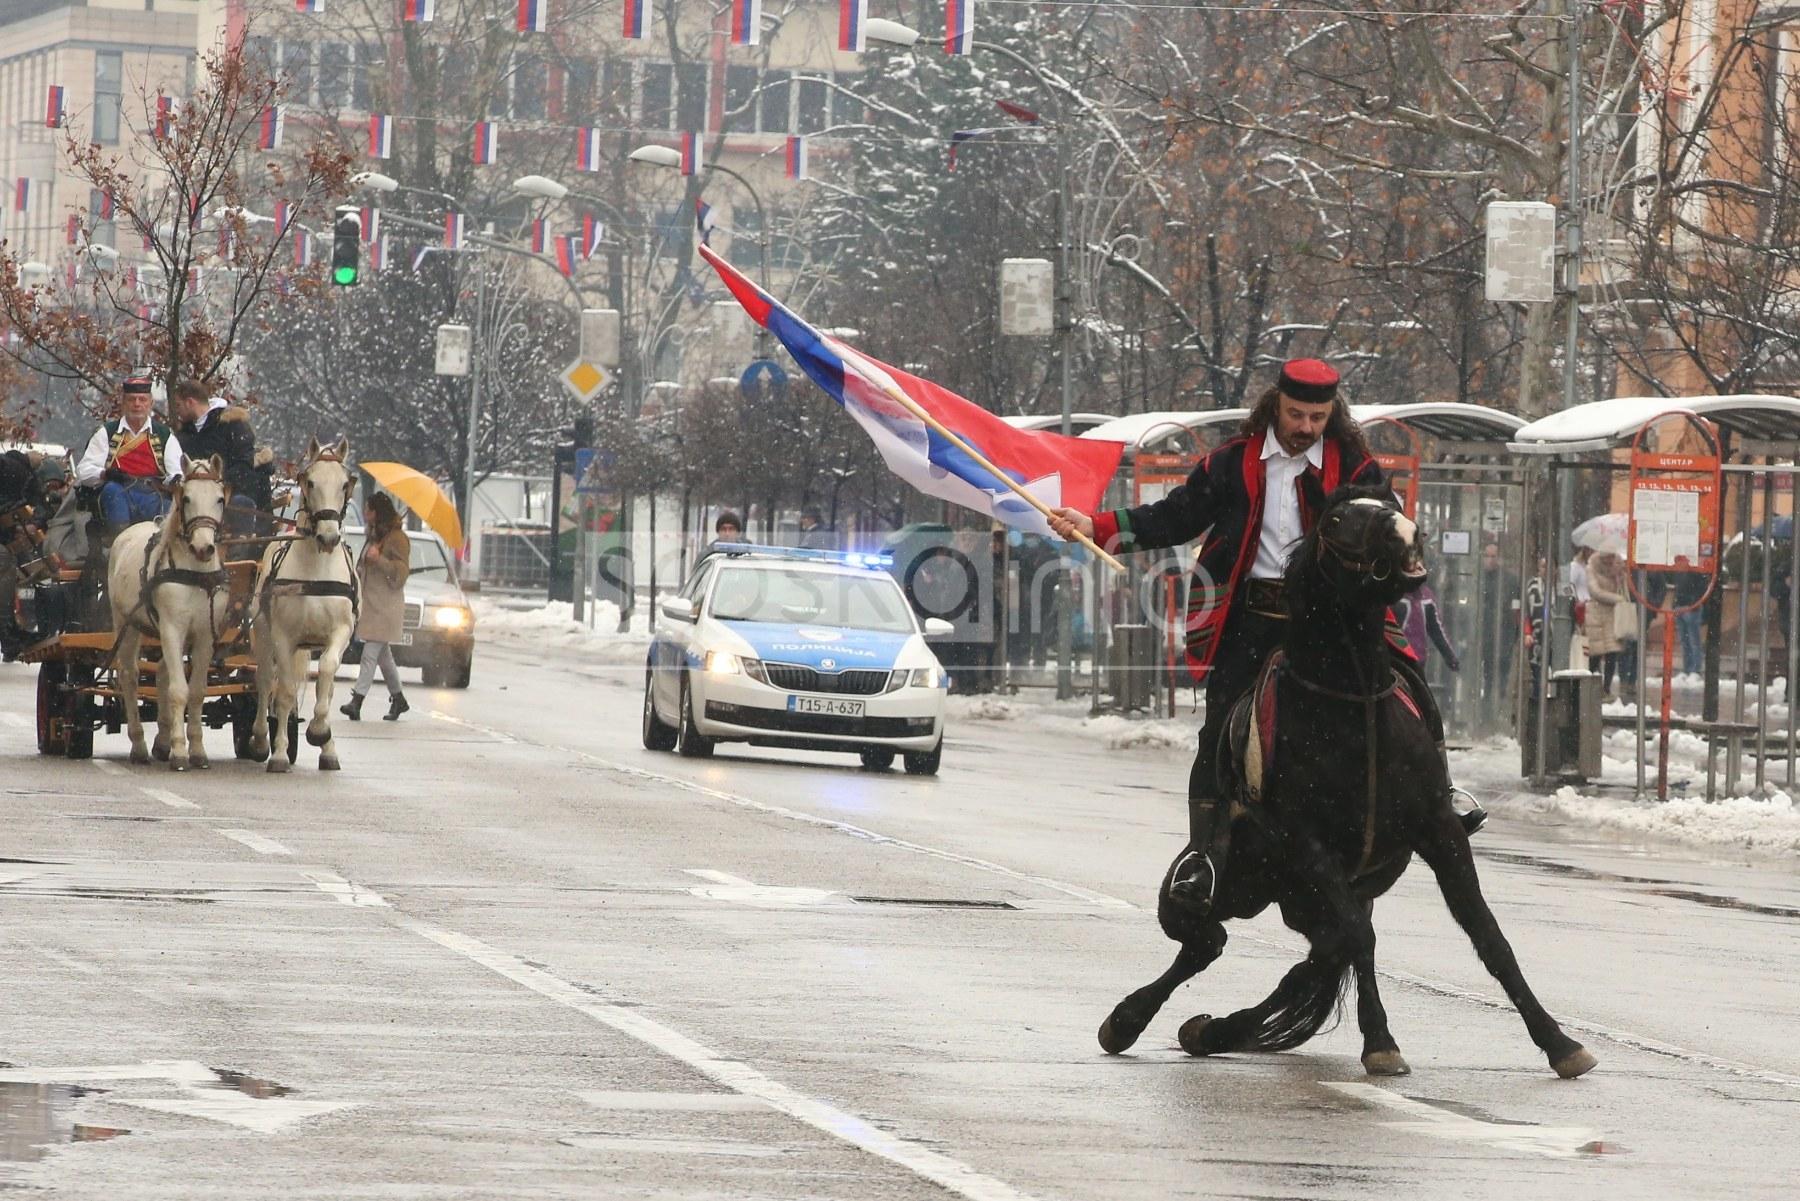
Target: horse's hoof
(278, 764)
(199, 762)
(328, 763)
(1117, 1034)
(1193, 1035)
(160, 751)
(139, 755)
(318, 737)
(1385, 1063)
(259, 749)
(176, 763)
(1576, 1063)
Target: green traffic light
(344, 276)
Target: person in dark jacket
(813, 533)
(210, 426)
(1254, 498)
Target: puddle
(36, 1117)
(1712, 900)
(935, 902)
(250, 1086)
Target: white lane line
(673, 1146)
(706, 873)
(841, 827)
(950, 1174)
(108, 767)
(496, 735)
(256, 842)
(15, 721)
(675, 1102)
(168, 798)
(1556, 1142)
(345, 892)
(727, 887)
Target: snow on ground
(553, 627)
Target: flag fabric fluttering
(852, 16)
(959, 26)
(591, 233)
(637, 19)
(284, 216)
(568, 252)
(381, 135)
(746, 22)
(533, 16)
(100, 203)
(1018, 112)
(1053, 469)
(418, 10)
(454, 225)
(690, 153)
(484, 143)
(587, 149)
(302, 248)
(55, 107)
(309, 6)
(539, 237)
(22, 194)
(371, 223)
(705, 221)
(74, 229)
(165, 115)
(378, 254)
(69, 275)
(796, 157)
(270, 127)
(958, 137)
(419, 258)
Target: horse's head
(1363, 549)
(198, 510)
(325, 487)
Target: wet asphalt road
(508, 953)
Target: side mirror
(937, 627)
(678, 608)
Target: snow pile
(1768, 824)
(552, 627)
(1114, 732)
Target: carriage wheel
(52, 735)
(243, 721)
(78, 714)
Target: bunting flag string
(419, 258)
(746, 22)
(484, 143)
(796, 157)
(100, 203)
(566, 250)
(418, 10)
(637, 20)
(378, 254)
(533, 15)
(371, 223)
(690, 153)
(55, 108)
(454, 226)
(852, 16)
(587, 149)
(959, 26)
(539, 238)
(381, 136)
(271, 125)
(591, 233)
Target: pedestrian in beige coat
(386, 561)
(1606, 592)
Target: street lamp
(880, 29)
(34, 275)
(375, 181)
(668, 156)
(542, 187)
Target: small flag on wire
(69, 275)
(484, 143)
(533, 15)
(226, 241)
(705, 220)
(454, 224)
(539, 238)
(419, 258)
(270, 128)
(74, 228)
(587, 149)
(22, 195)
(418, 10)
(796, 157)
(958, 137)
(1018, 112)
(690, 153)
(55, 109)
(566, 252)
(637, 20)
(100, 203)
(194, 207)
(591, 233)
(746, 22)
(381, 135)
(852, 16)
(371, 223)
(131, 278)
(302, 248)
(165, 115)
(309, 6)
(195, 279)
(284, 216)
(959, 26)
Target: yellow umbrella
(420, 493)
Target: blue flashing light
(849, 558)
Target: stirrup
(1176, 879)
(1475, 817)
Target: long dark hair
(1340, 427)
(383, 517)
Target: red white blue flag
(567, 253)
(418, 10)
(587, 148)
(533, 15)
(796, 157)
(55, 108)
(302, 248)
(705, 221)
(1054, 469)
(371, 223)
(453, 231)
(959, 26)
(309, 6)
(379, 254)
(484, 143)
(852, 16)
(637, 19)
(69, 275)
(539, 237)
(100, 203)
(690, 153)
(270, 127)
(284, 216)
(22, 194)
(419, 258)
(591, 233)
(74, 228)
(381, 136)
(746, 22)
(165, 115)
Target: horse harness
(207, 581)
(345, 588)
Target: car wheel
(431, 674)
(689, 742)
(459, 672)
(924, 763)
(659, 735)
(878, 759)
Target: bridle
(314, 516)
(185, 526)
(1357, 558)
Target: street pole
(1572, 227)
(474, 412)
(1065, 311)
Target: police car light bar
(850, 558)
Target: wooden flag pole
(912, 406)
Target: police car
(808, 649)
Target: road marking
(1556, 1142)
(676, 1102)
(950, 1174)
(108, 767)
(496, 735)
(744, 892)
(673, 1146)
(265, 1115)
(168, 798)
(256, 842)
(345, 892)
(841, 827)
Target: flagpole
(912, 406)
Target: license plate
(405, 640)
(825, 704)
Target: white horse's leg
(261, 645)
(125, 661)
(200, 654)
(172, 691)
(287, 687)
(329, 658)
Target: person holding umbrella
(385, 563)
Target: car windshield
(427, 557)
(859, 602)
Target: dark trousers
(1248, 640)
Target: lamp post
(668, 156)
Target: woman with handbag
(385, 564)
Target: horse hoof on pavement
(278, 764)
(1118, 1033)
(1193, 1035)
(139, 755)
(159, 750)
(1385, 1063)
(199, 762)
(1577, 1062)
(177, 764)
(328, 763)
(318, 737)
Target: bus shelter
(1578, 463)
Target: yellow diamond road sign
(586, 380)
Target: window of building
(297, 69)
(109, 81)
(776, 117)
(615, 92)
(658, 83)
(690, 96)
(334, 75)
(361, 98)
(580, 85)
(846, 107)
(740, 99)
(812, 109)
(531, 85)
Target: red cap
(1311, 381)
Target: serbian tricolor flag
(302, 248)
(371, 223)
(419, 258)
(746, 22)
(309, 6)
(637, 19)
(165, 115)
(284, 216)
(690, 153)
(539, 238)
(587, 148)
(418, 10)
(484, 143)
(1054, 469)
(567, 252)
(70, 275)
(959, 26)
(796, 157)
(381, 254)
(269, 128)
(100, 202)
(533, 15)
(591, 233)
(705, 221)
(453, 231)
(852, 16)
(381, 136)
(74, 228)
(22, 194)
(55, 107)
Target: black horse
(1353, 785)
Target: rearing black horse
(1351, 787)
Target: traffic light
(346, 245)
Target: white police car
(809, 649)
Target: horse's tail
(1311, 994)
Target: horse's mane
(1302, 575)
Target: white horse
(306, 600)
(166, 580)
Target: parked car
(438, 630)
(810, 649)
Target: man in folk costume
(136, 456)
(1254, 498)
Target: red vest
(137, 455)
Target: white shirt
(1578, 580)
(93, 460)
(1281, 504)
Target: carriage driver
(1258, 495)
(136, 455)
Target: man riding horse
(1254, 497)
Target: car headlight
(722, 663)
(450, 617)
(928, 677)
